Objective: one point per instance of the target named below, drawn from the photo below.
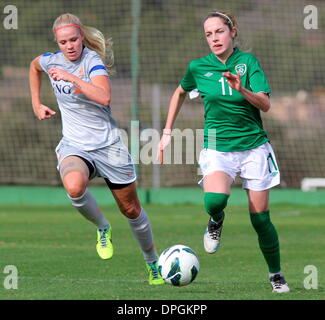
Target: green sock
(218, 217)
(214, 204)
(267, 239)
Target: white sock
(87, 206)
(141, 229)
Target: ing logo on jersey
(241, 69)
(65, 89)
(68, 88)
(61, 88)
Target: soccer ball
(178, 265)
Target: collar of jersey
(228, 61)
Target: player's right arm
(175, 105)
(35, 81)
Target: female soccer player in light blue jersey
(91, 145)
(234, 90)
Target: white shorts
(112, 162)
(257, 167)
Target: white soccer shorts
(257, 167)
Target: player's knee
(215, 202)
(75, 184)
(75, 189)
(260, 220)
(131, 210)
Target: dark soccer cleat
(279, 284)
(212, 236)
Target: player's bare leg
(75, 177)
(129, 204)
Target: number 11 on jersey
(223, 86)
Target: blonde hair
(93, 38)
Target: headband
(68, 25)
(225, 16)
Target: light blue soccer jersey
(85, 123)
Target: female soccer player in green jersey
(91, 144)
(234, 90)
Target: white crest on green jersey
(241, 69)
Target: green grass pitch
(54, 251)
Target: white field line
(78, 279)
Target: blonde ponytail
(93, 38)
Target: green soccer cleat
(104, 243)
(154, 275)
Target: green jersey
(231, 122)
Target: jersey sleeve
(188, 82)
(96, 67)
(44, 61)
(257, 78)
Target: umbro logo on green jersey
(241, 69)
(208, 74)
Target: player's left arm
(98, 90)
(260, 100)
